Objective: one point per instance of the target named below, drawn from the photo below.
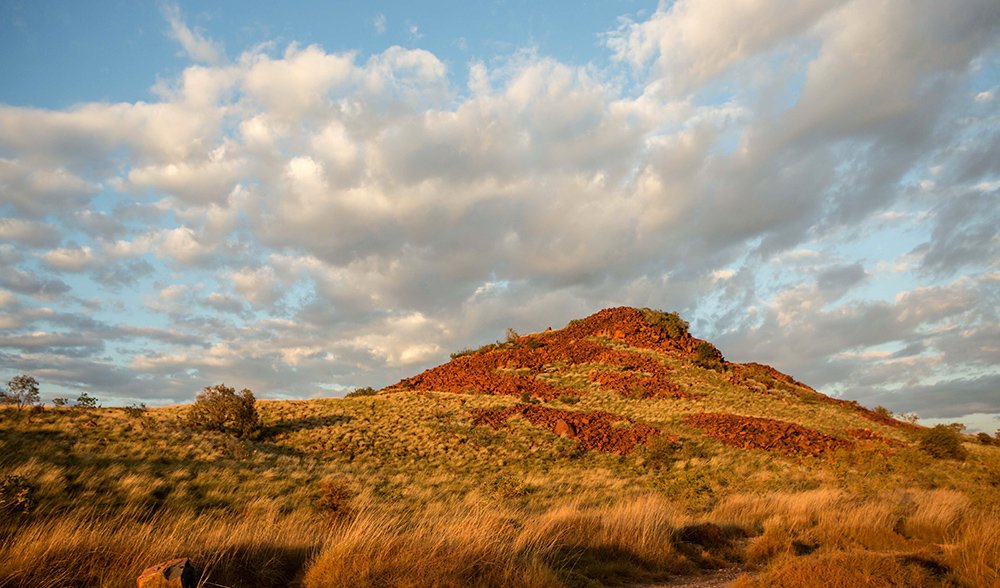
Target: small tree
(220, 408)
(21, 391)
(86, 401)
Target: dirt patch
(622, 370)
(760, 433)
(599, 431)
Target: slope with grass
(619, 450)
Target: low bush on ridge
(220, 408)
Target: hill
(619, 450)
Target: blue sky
(305, 200)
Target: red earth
(760, 433)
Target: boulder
(175, 573)
(563, 429)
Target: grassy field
(401, 489)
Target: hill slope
(618, 450)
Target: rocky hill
(642, 354)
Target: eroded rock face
(175, 573)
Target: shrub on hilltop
(708, 356)
(670, 322)
(220, 408)
(366, 391)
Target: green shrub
(943, 442)
(15, 495)
(220, 408)
(708, 356)
(86, 401)
(670, 323)
(60, 401)
(366, 391)
(21, 391)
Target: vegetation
(366, 391)
(86, 402)
(672, 324)
(22, 391)
(943, 442)
(220, 408)
(709, 357)
(15, 495)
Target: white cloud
(379, 23)
(196, 45)
(70, 259)
(692, 41)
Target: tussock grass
(269, 548)
(401, 489)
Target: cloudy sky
(306, 201)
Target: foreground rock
(175, 573)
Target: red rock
(563, 429)
(760, 433)
(175, 573)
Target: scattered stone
(175, 573)
(760, 433)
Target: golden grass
(430, 500)
(94, 549)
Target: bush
(135, 411)
(86, 401)
(335, 499)
(21, 391)
(366, 391)
(670, 323)
(943, 442)
(220, 408)
(15, 495)
(985, 438)
(60, 401)
(708, 356)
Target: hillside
(619, 450)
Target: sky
(303, 200)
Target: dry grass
(268, 548)
(401, 490)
